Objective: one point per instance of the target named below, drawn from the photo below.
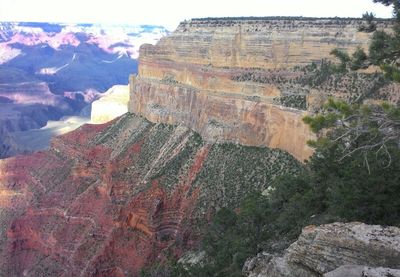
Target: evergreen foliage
(358, 60)
(370, 25)
(357, 162)
(354, 175)
(385, 2)
(385, 48)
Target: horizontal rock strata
(334, 249)
(193, 76)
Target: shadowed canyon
(49, 71)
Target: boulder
(337, 249)
(363, 271)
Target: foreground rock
(112, 104)
(336, 249)
(363, 271)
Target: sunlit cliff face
(228, 78)
(112, 104)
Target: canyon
(215, 113)
(111, 104)
(52, 70)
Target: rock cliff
(338, 249)
(108, 199)
(111, 104)
(228, 78)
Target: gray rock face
(192, 258)
(257, 265)
(363, 271)
(266, 265)
(330, 249)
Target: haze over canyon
(49, 71)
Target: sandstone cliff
(112, 104)
(338, 249)
(228, 78)
(108, 199)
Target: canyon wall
(195, 76)
(110, 199)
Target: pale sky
(170, 12)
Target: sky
(169, 13)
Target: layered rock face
(338, 249)
(109, 199)
(198, 76)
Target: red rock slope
(106, 200)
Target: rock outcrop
(363, 271)
(109, 199)
(111, 104)
(337, 249)
(202, 75)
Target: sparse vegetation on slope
(326, 77)
(354, 175)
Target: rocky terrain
(250, 80)
(48, 71)
(335, 250)
(107, 199)
(215, 114)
